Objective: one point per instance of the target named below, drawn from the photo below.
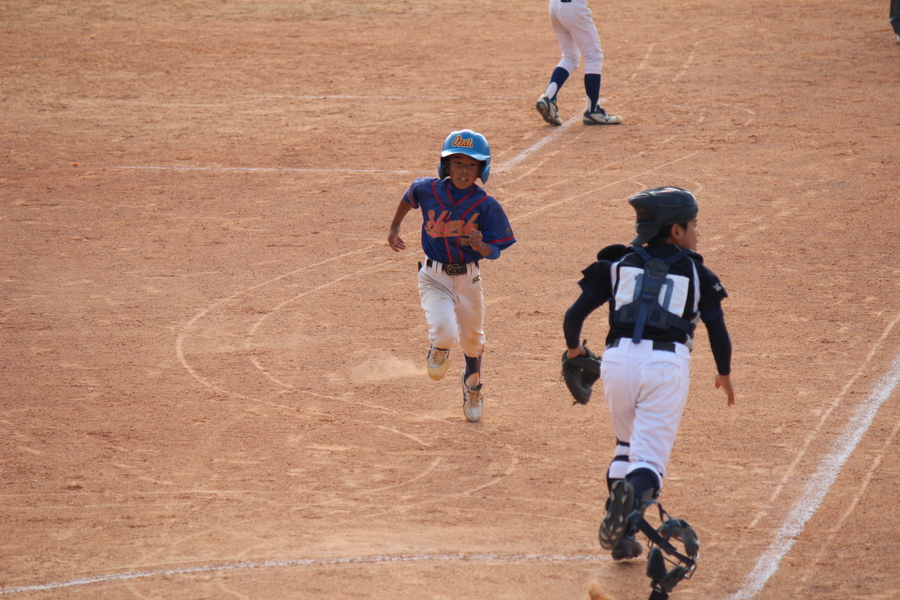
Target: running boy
(462, 225)
(653, 311)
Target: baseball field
(213, 367)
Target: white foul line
(516, 159)
(303, 562)
(820, 483)
(549, 137)
(262, 169)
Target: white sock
(551, 90)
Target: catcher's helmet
(470, 143)
(659, 207)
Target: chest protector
(645, 308)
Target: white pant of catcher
(646, 391)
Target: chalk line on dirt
(792, 468)
(819, 484)
(260, 169)
(179, 341)
(538, 145)
(306, 562)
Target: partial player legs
(470, 316)
(895, 19)
(454, 309)
(664, 388)
(438, 361)
(568, 45)
(439, 304)
(473, 370)
(546, 106)
(615, 524)
(628, 547)
(473, 401)
(646, 391)
(577, 35)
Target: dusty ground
(213, 377)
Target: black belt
(452, 268)
(664, 346)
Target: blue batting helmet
(470, 143)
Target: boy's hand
(724, 382)
(576, 352)
(395, 241)
(475, 238)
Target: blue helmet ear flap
(485, 171)
(470, 143)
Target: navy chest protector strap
(646, 309)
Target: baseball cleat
(628, 547)
(438, 362)
(600, 118)
(473, 402)
(619, 505)
(548, 110)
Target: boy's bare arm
(394, 240)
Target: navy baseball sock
(645, 484)
(558, 77)
(592, 89)
(473, 365)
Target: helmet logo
(461, 142)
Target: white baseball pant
(577, 35)
(454, 307)
(646, 391)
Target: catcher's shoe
(473, 402)
(600, 118)
(438, 362)
(619, 505)
(548, 110)
(628, 547)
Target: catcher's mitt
(580, 374)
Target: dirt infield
(213, 380)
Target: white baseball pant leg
(574, 26)
(646, 391)
(454, 308)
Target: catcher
(658, 289)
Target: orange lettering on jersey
(460, 142)
(443, 227)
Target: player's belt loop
(664, 346)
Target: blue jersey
(447, 223)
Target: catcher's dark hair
(665, 231)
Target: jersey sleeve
(411, 196)
(494, 225)
(575, 317)
(720, 344)
(597, 282)
(712, 292)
